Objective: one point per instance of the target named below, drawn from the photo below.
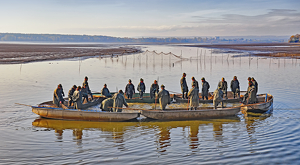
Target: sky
(151, 18)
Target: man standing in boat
(85, 83)
(205, 88)
(58, 95)
(105, 92)
(223, 85)
(164, 97)
(194, 97)
(250, 95)
(84, 93)
(129, 89)
(154, 89)
(77, 98)
(119, 101)
(254, 82)
(141, 88)
(70, 94)
(235, 87)
(184, 87)
(218, 97)
(194, 81)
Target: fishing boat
(200, 113)
(178, 98)
(48, 110)
(264, 104)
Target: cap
(105, 85)
(129, 80)
(249, 78)
(234, 77)
(86, 77)
(202, 78)
(184, 74)
(162, 86)
(120, 91)
(193, 78)
(59, 85)
(141, 79)
(79, 87)
(223, 78)
(74, 86)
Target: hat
(129, 80)
(74, 86)
(59, 85)
(79, 87)
(193, 78)
(120, 91)
(252, 78)
(223, 78)
(141, 79)
(234, 77)
(105, 85)
(162, 86)
(184, 74)
(86, 77)
(202, 78)
(249, 78)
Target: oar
(23, 104)
(126, 108)
(63, 106)
(155, 102)
(188, 104)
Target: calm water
(245, 139)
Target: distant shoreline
(11, 53)
(291, 50)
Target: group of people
(78, 95)
(219, 93)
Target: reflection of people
(59, 133)
(164, 138)
(119, 101)
(184, 87)
(218, 131)
(163, 97)
(58, 95)
(194, 97)
(129, 89)
(194, 130)
(154, 89)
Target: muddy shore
(24, 53)
(261, 49)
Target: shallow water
(245, 139)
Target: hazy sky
(136, 18)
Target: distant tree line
(294, 38)
(100, 38)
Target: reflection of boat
(135, 98)
(200, 113)
(178, 98)
(265, 104)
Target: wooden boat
(178, 98)
(48, 110)
(82, 115)
(265, 104)
(181, 114)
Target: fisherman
(77, 98)
(254, 82)
(250, 95)
(107, 104)
(235, 87)
(223, 85)
(105, 92)
(194, 81)
(129, 89)
(154, 89)
(141, 88)
(164, 97)
(218, 97)
(70, 94)
(184, 87)
(194, 97)
(205, 88)
(58, 95)
(84, 92)
(85, 82)
(119, 101)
